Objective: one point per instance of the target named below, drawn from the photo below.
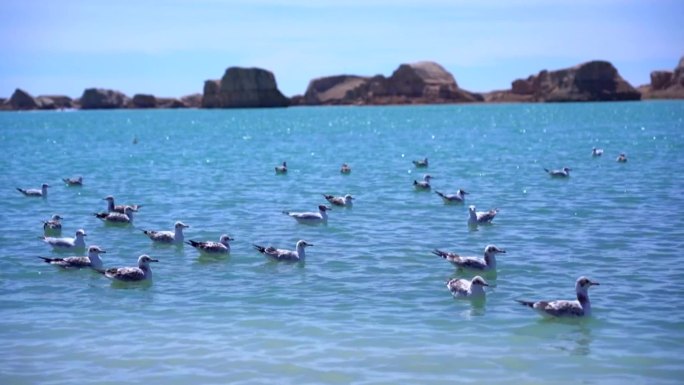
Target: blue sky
(168, 48)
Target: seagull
(339, 201)
(281, 169)
(53, 226)
(73, 181)
(111, 207)
(114, 217)
(92, 260)
(562, 308)
(421, 163)
(562, 173)
(622, 158)
(132, 274)
(473, 263)
(67, 244)
(32, 192)
(463, 288)
(175, 236)
(596, 152)
(213, 248)
(310, 218)
(424, 184)
(285, 255)
(345, 169)
(459, 197)
(481, 217)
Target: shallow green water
(370, 305)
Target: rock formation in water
(243, 88)
(22, 100)
(417, 83)
(98, 98)
(666, 84)
(591, 81)
(143, 101)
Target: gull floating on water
(53, 226)
(66, 243)
(596, 151)
(561, 173)
(111, 207)
(116, 217)
(473, 263)
(310, 218)
(175, 236)
(459, 197)
(345, 169)
(32, 192)
(563, 308)
(339, 201)
(281, 169)
(213, 248)
(463, 288)
(481, 217)
(297, 255)
(92, 260)
(73, 181)
(421, 163)
(622, 158)
(423, 184)
(132, 274)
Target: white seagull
(175, 236)
(114, 217)
(66, 243)
(459, 197)
(132, 274)
(53, 226)
(463, 288)
(596, 152)
(92, 260)
(563, 308)
(73, 181)
(423, 184)
(421, 163)
(473, 263)
(561, 173)
(339, 201)
(310, 218)
(622, 158)
(481, 217)
(285, 255)
(213, 248)
(111, 207)
(32, 192)
(281, 169)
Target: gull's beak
(485, 284)
(103, 251)
(594, 284)
(502, 251)
(154, 260)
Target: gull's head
(180, 225)
(44, 185)
(477, 280)
(284, 164)
(471, 208)
(80, 233)
(129, 210)
(584, 283)
(567, 169)
(324, 208)
(95, 250)
(144, 260)
(462, 192)
(225, 238)
(427, 177)
(348, 197)
(491, 249)
(303, 243)
(108, 198)
(56, 217)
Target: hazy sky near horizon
(169, 48)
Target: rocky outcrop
(22, 100)
(49, 102)
(170, 103)
(417, 83)
(143, 101)
(98, 98)
(192, 101)
(243, 88)
(666, 84)
(591, 81)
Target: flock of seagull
(461, 288)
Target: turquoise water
(370, 305)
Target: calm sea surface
(370, 305)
